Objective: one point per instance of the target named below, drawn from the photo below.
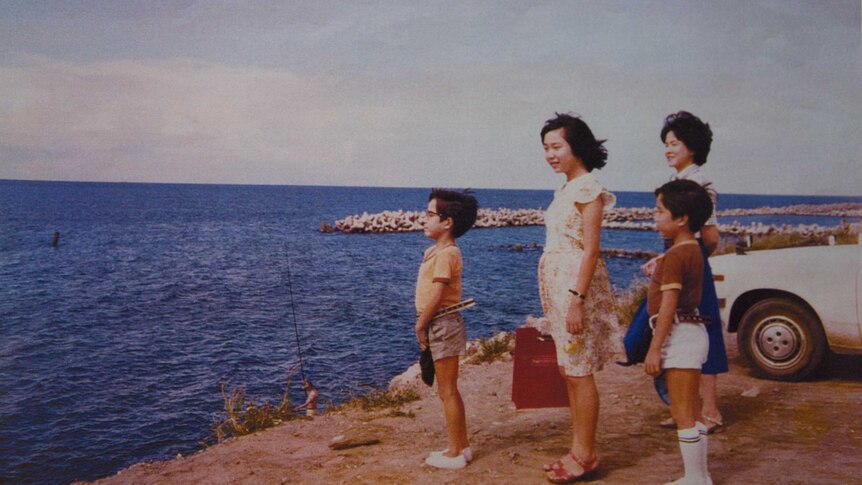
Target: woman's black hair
(690, 130)
(461, 206)
(580, 138)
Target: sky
(422, 94)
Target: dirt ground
(775, 433)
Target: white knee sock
(692, 446)
(704, 438)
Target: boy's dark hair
(690, 130)
(580, 138)
(461, 206)
(686, 198)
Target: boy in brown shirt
(680, 343)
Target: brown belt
(692, 318)
(680, 317)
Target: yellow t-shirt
(443, 266)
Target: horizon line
(234, 184)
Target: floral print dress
(584, 353)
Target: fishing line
(293, 310)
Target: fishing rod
(293, 310)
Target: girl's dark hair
(461, 206)
(580, 138)
(686, 198)
(689, 129)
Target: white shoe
(691, 481)
(449, 462)
(467, 452)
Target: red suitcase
(536, 379)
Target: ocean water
(114, 345)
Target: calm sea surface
(114, 346)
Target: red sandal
(561, 475)
(554, 465)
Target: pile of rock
(386, 221)
(847, 209)
(628, 218)
(627, 214)
(759, 229)
(510, 217)
(410, 221)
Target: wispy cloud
(426, 93)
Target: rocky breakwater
(630, 218)
(754, 228)
(846, 209)
(411, 221)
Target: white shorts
(686, 347)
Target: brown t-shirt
(679, 268)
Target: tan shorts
(448, 336)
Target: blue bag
(637, 341)
(638, 337)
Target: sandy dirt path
(776, 433)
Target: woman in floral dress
(574, 286)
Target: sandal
(554, 465)
(714, 425)
(561, 475)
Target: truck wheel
(781, 339)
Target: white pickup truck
(790, 307)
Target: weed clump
(487, 350)
(380, 399)
(243, 417)
(844, 235)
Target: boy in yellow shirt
(450, 214)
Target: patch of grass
(629, 300)
(490, 349)
(397, 413)
(381, 399)
(773, 241)
(242, 416)
(782, 240)
(847, 237)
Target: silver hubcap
(778, 339)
